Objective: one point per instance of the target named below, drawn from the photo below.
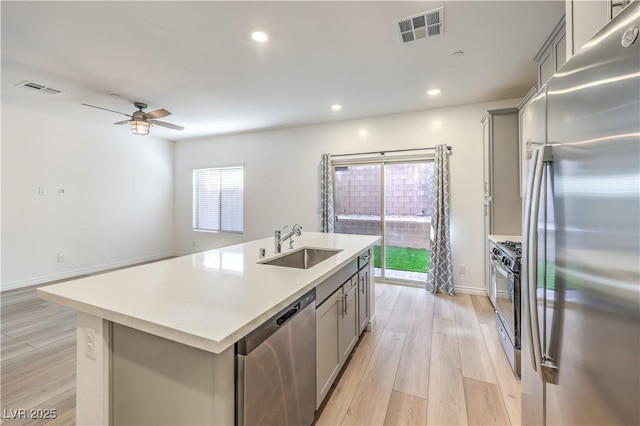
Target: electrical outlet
(60, 257)
(42, 190)
(61, 191)
(90, 343)
(462, 269)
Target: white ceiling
(197, 59)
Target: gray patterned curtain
(326, 194)
(440, 275)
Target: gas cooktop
(513, 247)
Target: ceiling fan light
(140, 127)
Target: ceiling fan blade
(110, 110)
(159, 113)
(122, 122)
(167, 125)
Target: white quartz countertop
(207, 300)
(503, 238)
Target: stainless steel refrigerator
(581, 221)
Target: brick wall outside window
(408, 202)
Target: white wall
(282, 175)
(118, 202)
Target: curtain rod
(384, 152)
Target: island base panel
(92, 368)
(162, 382)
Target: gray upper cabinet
(586, 18)
(501, 171)
(528, 132)
(553, 53)
(502, 203)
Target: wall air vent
(39, 87)
(424, 25)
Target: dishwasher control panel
(257, 336)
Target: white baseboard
(471, 290)
(84, 271)
(459, 289)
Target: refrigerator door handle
(550, 357)
(534, 185)
(549, 373)
(526, 219)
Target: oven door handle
(503, 271)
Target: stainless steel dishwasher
(276, 371)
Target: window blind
(218, 199)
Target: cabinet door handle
(352, 289)
(344, 304)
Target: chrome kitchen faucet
(297, 230)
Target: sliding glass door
(407, 220)
(393, 200)
(358, 202)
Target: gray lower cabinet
(327, 346)
(349, 322)
(340, 319)
(363, 298)
(336, 335)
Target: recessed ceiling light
(259, 36)
(336, 107)
(433, 92)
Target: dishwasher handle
(291, 312)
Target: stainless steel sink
(302, 258)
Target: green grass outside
(403, 259)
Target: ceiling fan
(141, 121)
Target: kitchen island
(186, 312)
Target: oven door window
(504, 286)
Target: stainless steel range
(505, 276)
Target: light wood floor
(37, 358)
(428, 360)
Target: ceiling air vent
(424, 25)
(39, 87)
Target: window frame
(195, 182)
